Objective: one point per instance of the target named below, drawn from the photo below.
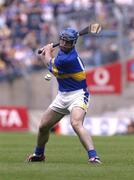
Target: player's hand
(95, 28)
(47, 49)
(47, 54)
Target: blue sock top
(92, 153)
(39, 151)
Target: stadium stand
(26, 26)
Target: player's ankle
(92, 153)
(39, 150)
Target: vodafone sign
(13, 119)
(101, 76)
(105, 79)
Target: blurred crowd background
(26, 25)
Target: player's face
(66, 46)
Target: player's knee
(75, 124)
(43, 128)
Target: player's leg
(77, 118)
(49, 119)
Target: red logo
(13, 118)
(130, 70)
(101, 76)
(105, 79)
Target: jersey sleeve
(50, 65)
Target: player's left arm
(47, 54)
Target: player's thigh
(50, 118)
(77, 116)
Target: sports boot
(95, 160)
(35, 158)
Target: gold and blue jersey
(69, 71)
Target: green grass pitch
(66, 158)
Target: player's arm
(47, 54)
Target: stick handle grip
(54, 45)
